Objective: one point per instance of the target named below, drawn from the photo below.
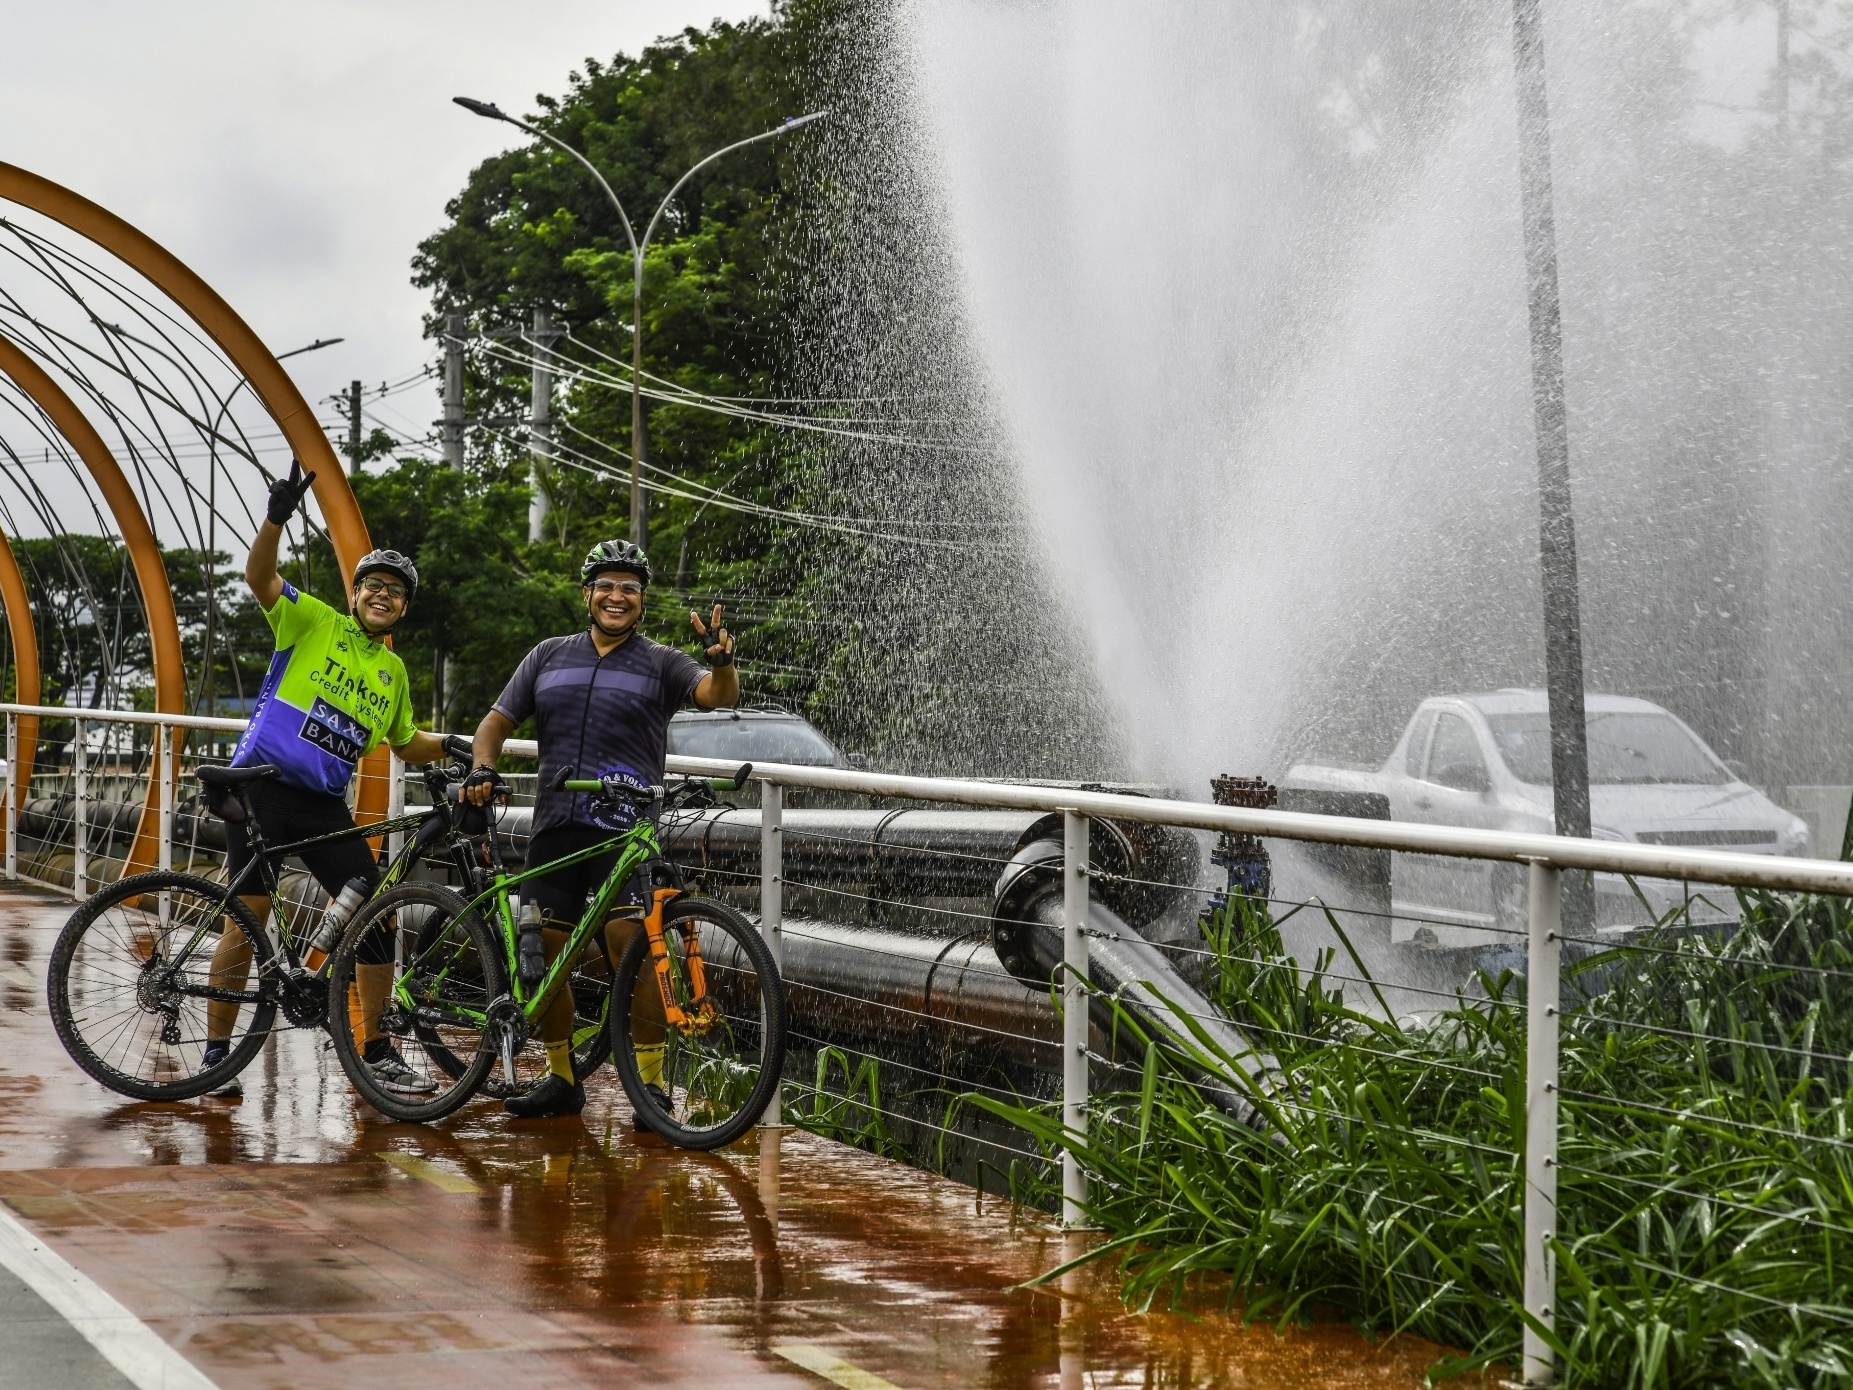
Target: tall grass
(1705, 1218)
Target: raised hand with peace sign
(717, 640)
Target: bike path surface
(295, 1238)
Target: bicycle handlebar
(618, 791)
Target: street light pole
(1563, 623)
(490, 111)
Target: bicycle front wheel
(702, 1080)
(134, 990)
(432, 1001)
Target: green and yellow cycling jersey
(331, 694)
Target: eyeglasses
(373, 584)
(630, 588)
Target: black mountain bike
(130, 975)
(696, 1006)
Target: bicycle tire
(104, 1001)
(452, 974)
(742, 1048)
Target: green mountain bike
(695, 1008)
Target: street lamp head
(793, 122)
(486, 109)
(315, 346)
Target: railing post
(1541, 1007)
(166, 752)
(1074, 1014)
(12, 796)
(80, 794)
(772, 898)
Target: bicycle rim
(444, 974)
(716, 1072)
(128, 980)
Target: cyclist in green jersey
(334, 691)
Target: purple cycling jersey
(597, 715)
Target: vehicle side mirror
(1464, 777)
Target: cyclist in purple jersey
(601, 701)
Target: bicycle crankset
(508, 1025)
(303, 999)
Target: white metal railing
(1546, 856)
(164, 750)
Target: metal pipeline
(1124, 968)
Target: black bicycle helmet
(393, 563)
(615, 555)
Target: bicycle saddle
(236, 776)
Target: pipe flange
(1034, 871)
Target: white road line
(124, 1340)
(833, 1368)
(430, 1172)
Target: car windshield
(753, 740)
(1623, 749)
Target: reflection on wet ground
(294, 1238)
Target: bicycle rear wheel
(446, 973)
(704, 1082)
(129, 979)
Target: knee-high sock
(556, 1024)
(374, 985)
(648, 1025)
(231, 968)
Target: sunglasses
(373, 584)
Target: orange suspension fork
(673, 1013)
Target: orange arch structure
(25, 664)
(170, 671)
(269, 383)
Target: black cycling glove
(286, 494)
(482, 776)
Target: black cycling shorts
(564, 893)
(287, 814)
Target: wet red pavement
(295, 1238)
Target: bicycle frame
(636, 847)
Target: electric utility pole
(455, 324)
(540, 425)
(353, 427)
(1563, 627)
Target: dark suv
(764, 735)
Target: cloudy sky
(295, 154)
